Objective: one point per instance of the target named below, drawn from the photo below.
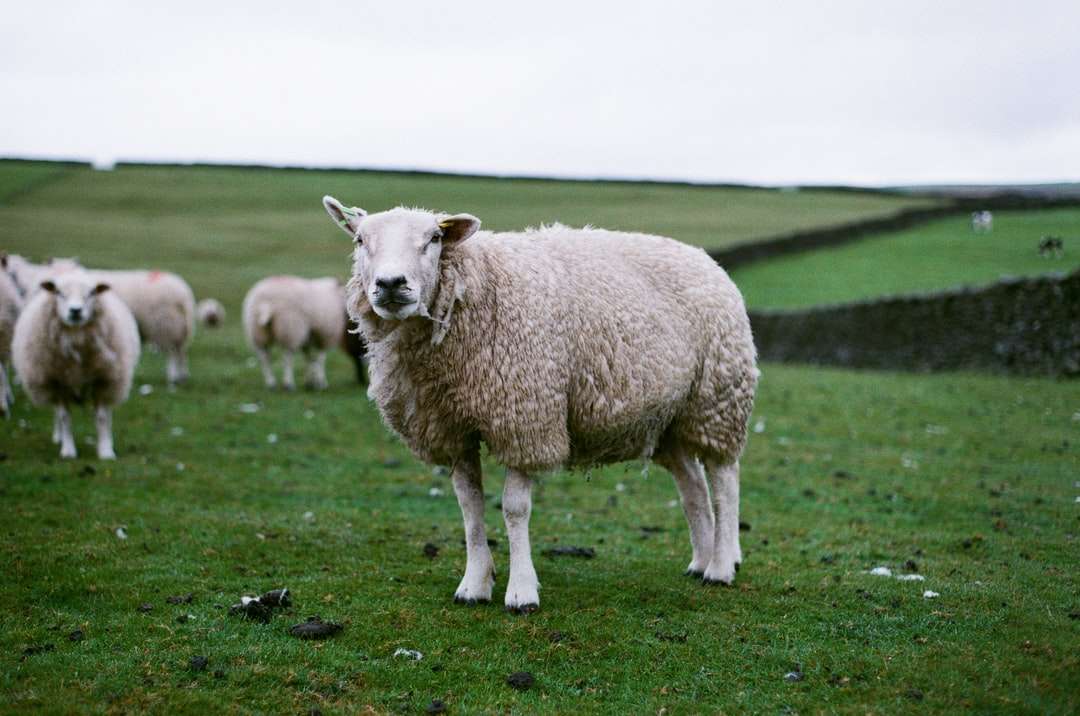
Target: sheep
(210, 312)
(76, 341)
(296, 314)
(982, 222)
(555, 347)
(10, 305)
(162, 303)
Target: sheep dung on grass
(554, 346)
(297, 314)
(76, 342)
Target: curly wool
(294, 313)
(162, 303)
(560, 346)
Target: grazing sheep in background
(10, 305)
(74, 342)
(982, 222)
(296, 314)
(1051, 247)
(162, 303)
(27, 276)
(554, 346)
(353, 344)
(210, 312)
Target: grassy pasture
(970, 477)
(943, 254)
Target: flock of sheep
(552, 346)
(73, 334)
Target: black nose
(389, 284)
(75, 313)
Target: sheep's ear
(100, 288)
(49, 286)
(3, 259)
(458, 227)
(348, 219)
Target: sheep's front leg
(103, 421)
(316, 377)
(726, 552)
(479, 567)
(522, 590)
(67, 439)
(7, 398)
(288, 381)
(267, 369)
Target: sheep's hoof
(695, 573)
(720, 582)
(522, 608)
(737, 565)
(469, 601)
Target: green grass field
(943, 254)
(972, 478)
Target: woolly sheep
(210, 312)
(162, 303)
(982, 222)
(554, 347)
(75, 341)
(297, 314)
(10, 305)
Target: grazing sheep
(354, 346)
(27, 276)
(982, 222)
(162, 303)
(74, 342)
(296, 314)
(1051, 247)
(10, 305)
(210, 312)
(554, 346)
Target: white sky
(775, 92)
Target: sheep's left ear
(3, 259)
(347, 219)
(100, 288)
(458, 227)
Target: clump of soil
(431, 551)
(181, 598)
(520, 680)
(198, 663)
(315, 628)
(568, 551)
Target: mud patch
(315, 628)
(569, 551)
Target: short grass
(939, 255)
(972, 478)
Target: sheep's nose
(390, 284)
(75, 313)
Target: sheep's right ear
(348, 219)
(100, 288)
(49, 286)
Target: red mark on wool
(153, 276)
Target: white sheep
(10, 305)
(554, 347)
(76, 342)
(162, 303)
(296, 314)
(982, 222)
(210, 312)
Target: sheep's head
(76, 297)
(396, 258)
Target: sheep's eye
(435, 239)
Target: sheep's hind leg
(7, 398)
(479, 576)
(172, 367)
(726, 554)
(67, 439)
(694, 494)
(267, 369)
(288, 381)
(103, 421)
(522, 589)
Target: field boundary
(813, 239)
(1028, 326)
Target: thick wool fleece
(562, 346)
(61, 365)
(294, 313)
(162, 303)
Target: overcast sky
(818, 92)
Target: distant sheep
(982, 222)
(10, 305)
(162, 303)
(210, 312)
(1051, 247)
(554, 346)
(296, 314)
(76, 342)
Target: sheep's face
(396, 258)
(76, 297)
